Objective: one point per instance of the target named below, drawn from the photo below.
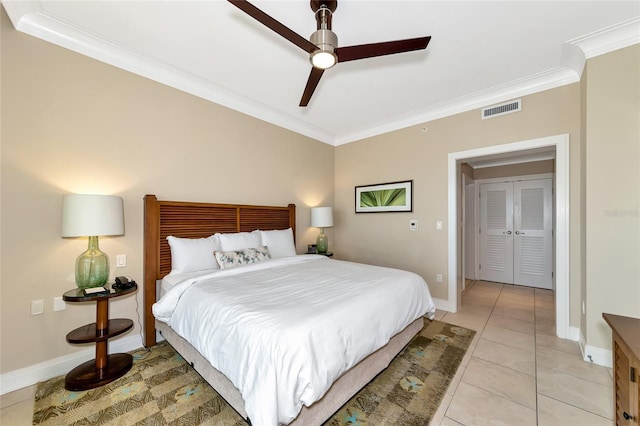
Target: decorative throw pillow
(280, 242)
(247, 256)
(192, 254)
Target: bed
(312, 400)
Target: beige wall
(385, 238)
(71, 124)
(612, 190)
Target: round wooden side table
(104, 368)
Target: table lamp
(91, 216)
(322, 217)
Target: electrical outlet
(438, 278)
(59, 304)
(37, 307)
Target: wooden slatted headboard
(195, 220)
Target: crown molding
(504, 92)
(614, 37)
(576, 51)
(29, 17)
(574, 56)
(34, 21)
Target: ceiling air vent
(502, 109)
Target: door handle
(519, 233)
(507, 232)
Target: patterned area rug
(162, 389)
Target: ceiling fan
(323, 44)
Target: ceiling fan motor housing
(326, 40)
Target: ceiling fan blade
(362, 51)
(312, 83)
(274, 25)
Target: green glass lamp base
(322, 242)
(92, 266)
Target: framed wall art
(385, 197)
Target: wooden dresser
(626, 368)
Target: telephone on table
(123, 283)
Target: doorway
(560, 144)
(516, 232)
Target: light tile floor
(516, 371)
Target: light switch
(439, 225)
(413, 225)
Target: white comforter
(284, 330)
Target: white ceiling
(481, 53)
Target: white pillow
(193, 254)
(240, 240)
(279, 242)
(247, 256)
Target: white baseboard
(574, 334)
(594, 354)
(442, 305)
(31, 375)
(598, 355)
(582, 342)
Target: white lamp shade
(322, 217)
(92, 215)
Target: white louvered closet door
(533, 243)
(496, 232)
(516, 242)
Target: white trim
(574, 334)
(562, 236)
(582, 341)
(18, 379)
(561, 144)
(609, 39)
(546, 80)
(452, 297)
(442, 305)
(600, 356)
(463, 224)
(592, 354)
(515, 178)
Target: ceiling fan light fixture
(323, 59)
